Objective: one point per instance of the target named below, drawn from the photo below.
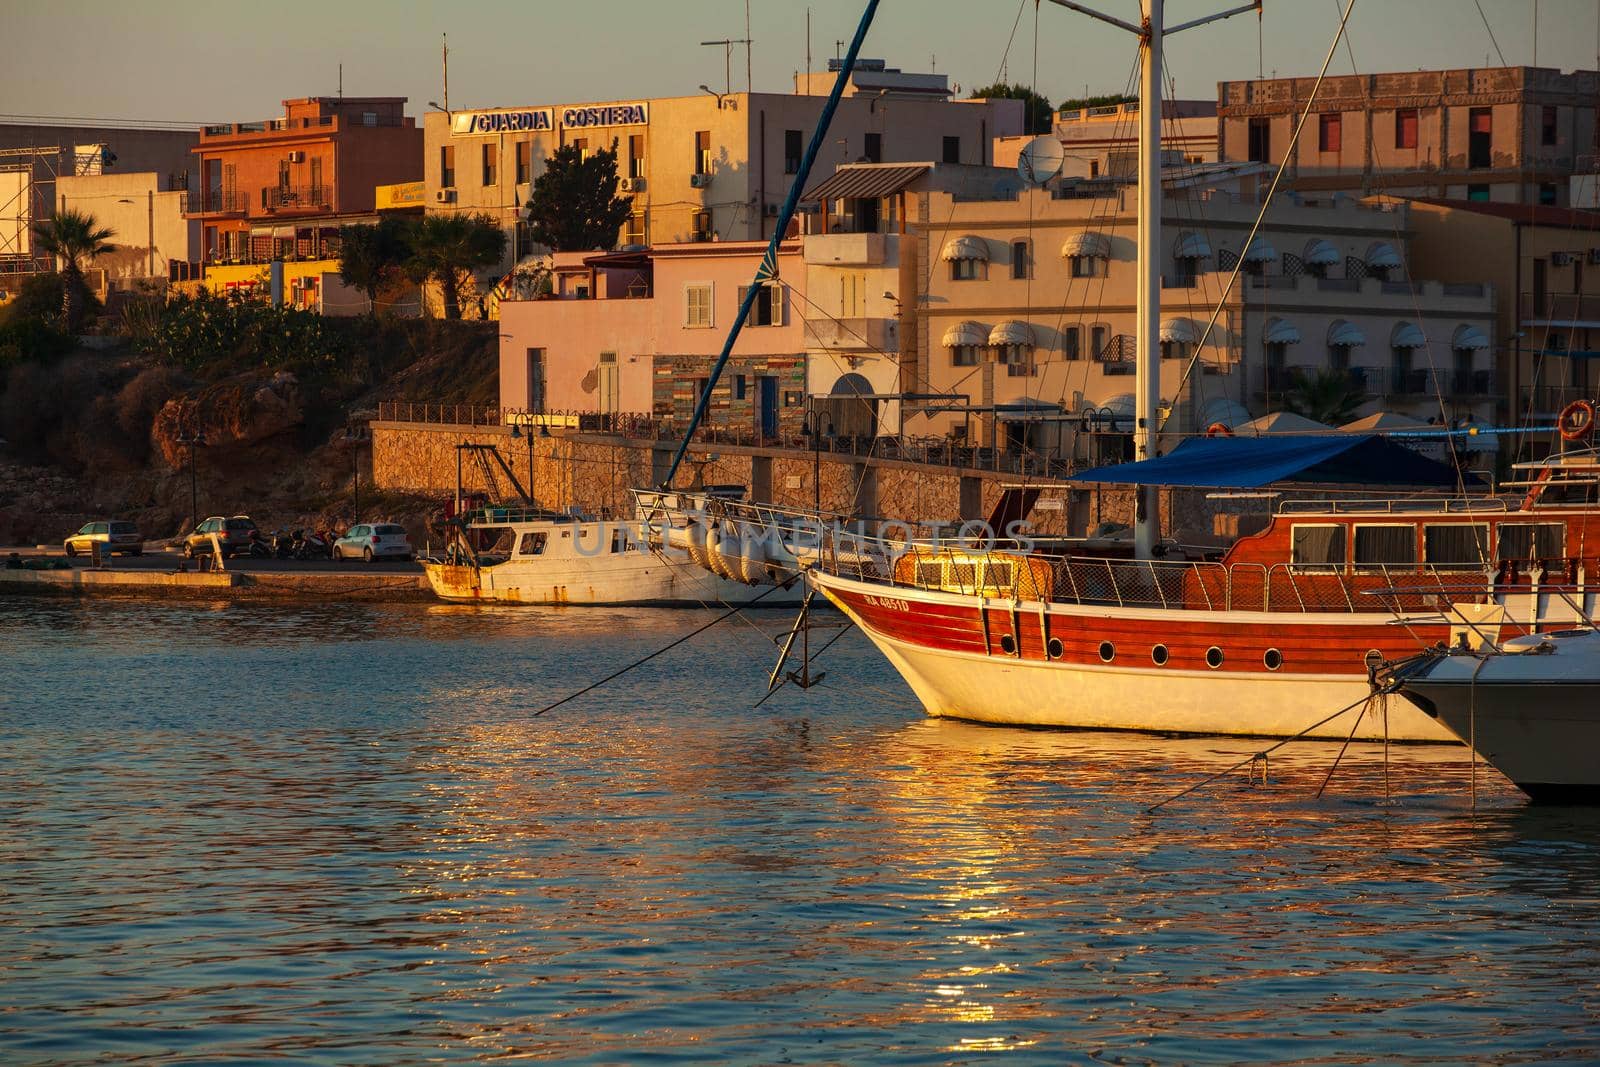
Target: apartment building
(1493, 134)
(153, 239)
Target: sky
(226, 61)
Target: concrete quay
(160, 578)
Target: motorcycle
(283, 543)
(309, 544)
(258, 548)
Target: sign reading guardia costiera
(539, 119)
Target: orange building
(280, 188)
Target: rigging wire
(1490, 30)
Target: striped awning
(1469, 337)
(1279, 332)
(965, 247)
(865, 182)
(1345, 334)
(1407, 335)
(1184, 331)
(1260, 251)
(966, 333)
(1087, 243)
(1012, 332)
(1382, 254)
(1191, 245)
(1320, 253)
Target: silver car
(114, 536)
(374, 540)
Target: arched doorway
(852, 417)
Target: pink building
(629, 333)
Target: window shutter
(779, 314)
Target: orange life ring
(1576, 421)
(1219, 429)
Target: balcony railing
(1472, 383)
(218, 202)
(296, 198)
(1406, 381)
(1558, 308)
(1546, 401)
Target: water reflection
(336, 833)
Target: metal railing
(217, 201)
(1558, 307)
(440, 414)
(296, 198)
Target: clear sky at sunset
(195, 62)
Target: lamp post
(812, 427)
(517, 431)
(192, 439)
(357, 434)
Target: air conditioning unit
(631, 185)
(699, 181)
(1561, 259)
(445, 196)
(770, 210)
(297, 157)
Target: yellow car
(113, 536)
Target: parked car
(374, 540)
(115, 535)
(236, 535)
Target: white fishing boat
(1530, 707)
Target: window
(488, 164)
(619, 540)
(767, 308)
(524, 162)
(532, 543)
(740, 389)
(1260, 143)
(1479, 193)
(697, 305)
(582, 145)
(1317, 547)
(1069, 343)
(1455, 546)
(1547, 193)
(1020, 256)
(1532, 540)
(636, 155)
(1174, 350)
(316, 179)
(1099, 341)
(535, 379)
(952, 150)
(1083, 266)
(874, 152)
(793, 149)
(852, 296)
(1329, 132)
(1547, 126)
(964, 270)
(1018, 360)
(1405, 127)
(1480, 137)
(965, 356)
(447, 166)
(369, 118)
(1386, 546)
(702, 226)
(702, 152)
(633, 230)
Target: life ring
(1219, 429)
(1576, 421)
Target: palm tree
(448, 248)
(1328, 396)
(75, 239)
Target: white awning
(283, 231)
(1012, 332)
(966, 333)
(1320, 253)
(1347, 334)
(1407, 335)
(1087, 243)
(1260, 251)
(1184, 331)
(1469, 337)
(1279, 332)
(1382, 254)
(1191, 245)
(965, 247)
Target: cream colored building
(153, 240)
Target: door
(607, 384)
(769, 406)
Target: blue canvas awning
(1252, 462)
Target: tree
(1328, 396)
(574, 205)
(1036, 111)
(371, 258)
(448, 248)
(75, 239)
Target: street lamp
(357, 435)
(192, 439)
(813, 427)
(517, 431)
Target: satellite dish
(1040, 160)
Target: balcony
(1472, 383)
(1557, 309)
(277, 199)
(1546, 401)
(218, 202)
(1282, 379)
(846, 249)
(1406, 381)
(858, 334)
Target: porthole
(1108, 652)
(1213, 657)
(1273, 659)
(1055, 649)
(1158, 655)
(1008, 644)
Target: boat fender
(1576, 421)
(1219, 429)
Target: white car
(374, 540)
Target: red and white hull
(994, 664)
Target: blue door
(769, 407)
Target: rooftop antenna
(341, 81)
(727, 44)
(747, 40)
(808, 51)
(446, 38)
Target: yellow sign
(406, 194)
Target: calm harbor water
(336, 835)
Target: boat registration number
(893, 603)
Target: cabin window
(1385, 546)
(1315, 547)
(1532, 540)
(1456, 546)
(532, 543)
(619, 540)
